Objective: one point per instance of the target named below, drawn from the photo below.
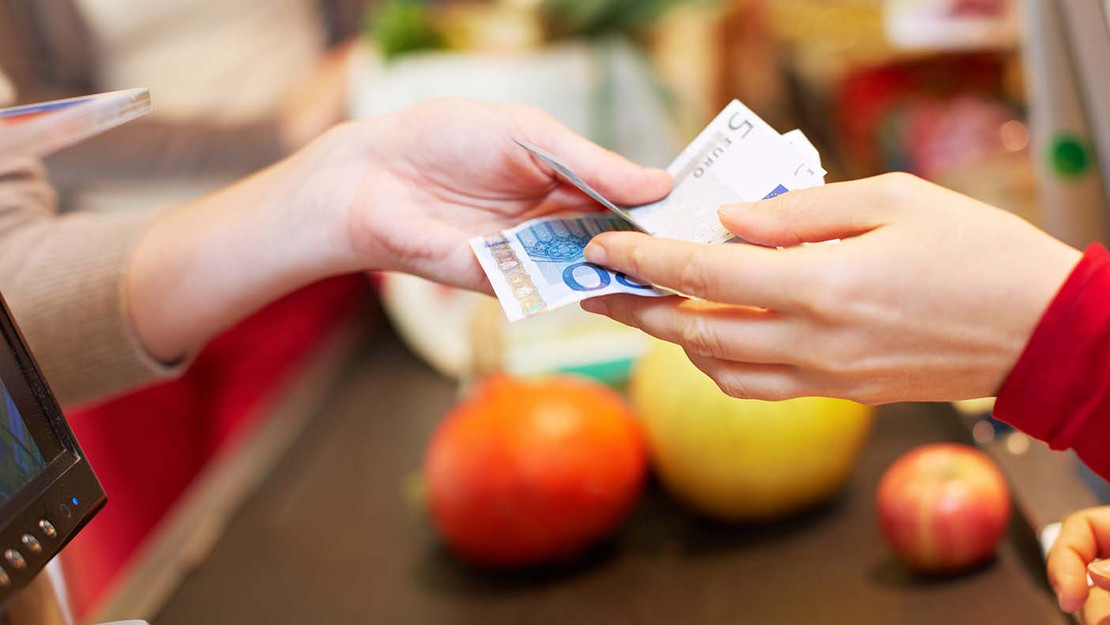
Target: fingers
(1067, 574)
(744, 275)
(768, 382)
(1084, 537)
(835, 211)
(726, 332)
(614, 176)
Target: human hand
(1084, 537)
(929, 295)
(434, 175)
(404, 192)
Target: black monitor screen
(20, 457)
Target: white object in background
(951, 24)
(434, 320)
(571, 340)
(437, 323)
(570, 81)
(1048, 536)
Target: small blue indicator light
(74, 500)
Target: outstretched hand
(404, 191)
(929, 295)
(438, 173)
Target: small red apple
(943, 507)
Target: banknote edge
(501, 288)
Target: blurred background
(279, 479)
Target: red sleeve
(1059, 390)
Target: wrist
(1039, 292)
(328, 187)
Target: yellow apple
(742, 460)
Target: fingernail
(595, 253)
(735, 210)
(1099, 568)
(595, 306)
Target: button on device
(63, 508)
(31, 543)
(5, 579)
(47, 528)
(15, 559)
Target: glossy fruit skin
(524, 473)
(943, 508)
(742, 460)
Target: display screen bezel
(43, 420)
(65, 492)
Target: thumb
(817, 214)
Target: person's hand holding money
(929, 295)
(402, 192)
(441, 172)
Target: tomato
(530, 472)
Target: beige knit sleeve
(62, 277)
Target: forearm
(205, 265)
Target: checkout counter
(330, 536)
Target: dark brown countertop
(329, 538)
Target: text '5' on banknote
(540, 265)
(737, 158)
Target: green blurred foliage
(401, 26)
(599, 18)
